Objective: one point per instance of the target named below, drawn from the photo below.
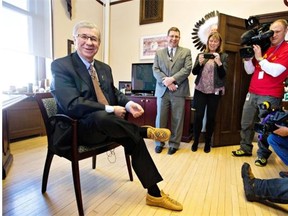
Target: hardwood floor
(206, 184)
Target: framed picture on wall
(70, 47)
(150, 44)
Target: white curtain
(26, 37)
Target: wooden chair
(68, 147)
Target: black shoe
(241, 153)
(194, 147)
(248, 181)
(158, 149)
(283, 174)
(261, 162)
(172, 150)
(207, 148)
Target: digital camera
(209, 56)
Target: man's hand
(281, 131)
(119, 111)
(172, 87)
(257, 51)
(167, 81)
(136, 110)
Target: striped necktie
(99, 93)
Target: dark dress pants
(101, 126)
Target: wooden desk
(24, 119)
(7, 157)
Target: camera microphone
(262, 36)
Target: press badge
(261, 75)
(247, 96)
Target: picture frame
(125, 87)
(150, 44)
(70, 47)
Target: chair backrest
(50, 106)
(47, 106)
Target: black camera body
(260, 36)
(209, 56)
(271, 117)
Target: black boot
(194, 147)
(207, 147)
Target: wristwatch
(260, 59)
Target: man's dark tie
(171, 53)
(99, 93)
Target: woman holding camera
(210, 68)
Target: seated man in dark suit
(83, 88)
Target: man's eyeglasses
(86, 37)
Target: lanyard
(277, 47)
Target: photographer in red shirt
(269, 70)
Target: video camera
(271, 117)
(259, 35)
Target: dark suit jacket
(73, 89)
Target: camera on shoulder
(258, 34)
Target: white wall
(126, 31)
(62, 25)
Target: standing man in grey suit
(171, 68)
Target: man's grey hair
(85, 24)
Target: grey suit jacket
(179, 68)
(73, 89)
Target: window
(26, 48)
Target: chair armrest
(63, 134)
(62, 117)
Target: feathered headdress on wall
(203, 28)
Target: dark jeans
(107, 127)
(274, 190)
(280, 146)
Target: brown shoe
(158, 134)
(164, 202)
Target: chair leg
(47, 166)
(77, 186)
(94, 162)
(128, 162)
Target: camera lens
(246, 52)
